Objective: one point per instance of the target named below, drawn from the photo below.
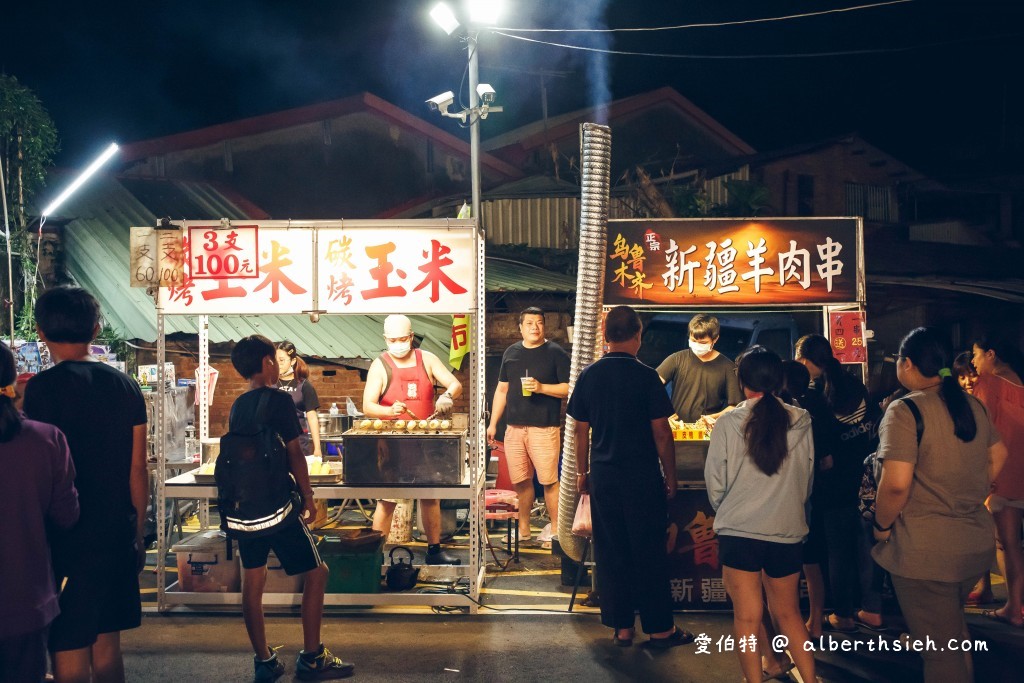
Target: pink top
(1004, 401)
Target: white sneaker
(545, 534)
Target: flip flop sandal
(678, 637)
(621, 642)
(995, 616)
(881, 628)
(781, 676)
(829, 625)
(974, 599)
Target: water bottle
(191, 444)
(334, 412)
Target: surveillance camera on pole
(440, 103)
(485, 92)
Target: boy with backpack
(264, 499)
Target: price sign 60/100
(221, 253)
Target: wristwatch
(877, 527)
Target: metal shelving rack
(184, 486)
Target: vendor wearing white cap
(400, 386)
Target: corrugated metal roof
(97, 257)
(511, 276)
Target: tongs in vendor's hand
(413, 415)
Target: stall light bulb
(485, 11)
(93, 167)
(444, 17)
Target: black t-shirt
(280, 412)
(303, 396)
(548, 364)
(699, 387)
(850, 437)
(620, 396)
(97, 407)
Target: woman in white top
(759, 472)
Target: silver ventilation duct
(596, 146)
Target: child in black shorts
(255, 359)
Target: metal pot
(339, 424)
(334, 425)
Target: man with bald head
(400, 386)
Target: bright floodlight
(485, 11)
(444, 17)
(93, 167)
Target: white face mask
(400, 349)
(700, 349)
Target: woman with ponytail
(850, 429)
(36, 493)
(934, 535)
(999, 388)
(759, 472)
(295, 382)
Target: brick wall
(503, 330)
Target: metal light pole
(481, 12)
(474, 124)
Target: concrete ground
(496, 647)
(524, 634)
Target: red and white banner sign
(396, 271)
(223, 253)
(368, 270)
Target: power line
(703, 25)
(798, 55)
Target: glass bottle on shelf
(191, 444)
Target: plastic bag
(581, 525)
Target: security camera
(441, 102)
(485, 92)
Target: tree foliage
(28, 143)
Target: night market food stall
(809, 270)
(359, 267)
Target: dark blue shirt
(620, 396)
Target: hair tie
(8, 391)
(945, 372)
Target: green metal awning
(96, 245)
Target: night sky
(130, 71)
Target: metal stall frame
(824, 309)
(471, 489)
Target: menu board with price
(846, 330)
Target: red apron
(411, 386)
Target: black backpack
(256, 492)
(868, 483)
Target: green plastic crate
(352, 571)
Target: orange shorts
(532, 448)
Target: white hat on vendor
(398, 335)
(396, 326)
